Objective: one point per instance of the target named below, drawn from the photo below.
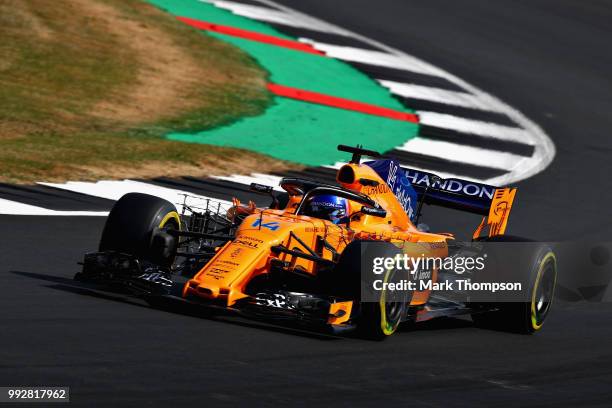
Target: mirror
(376, 212)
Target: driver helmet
(328, 207)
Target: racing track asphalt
(551, 60)
(113, 351)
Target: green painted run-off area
(291, 129)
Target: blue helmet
(328, 207)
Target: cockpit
(337, 205)
(328, 207)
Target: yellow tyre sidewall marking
(534, 320)
(172, 215)
(386, 327)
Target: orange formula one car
(339, 257)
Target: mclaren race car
(319, 254)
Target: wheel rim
(171, 220)
(391, 310)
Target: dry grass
(89, 86)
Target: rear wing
(494, 203)
(451, 193)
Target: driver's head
(328, 207)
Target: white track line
(274, 16)
(475, 127)
(427, 93)
(544, 151)
(115, 189)
(15, 208)
(380, 58)
(459, 153)
(226, 4)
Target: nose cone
(227, 274)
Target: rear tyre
(133, 223)
(379, 315)
(536, 267)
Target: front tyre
(377, 314)
(132, 224)
(382, 318)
